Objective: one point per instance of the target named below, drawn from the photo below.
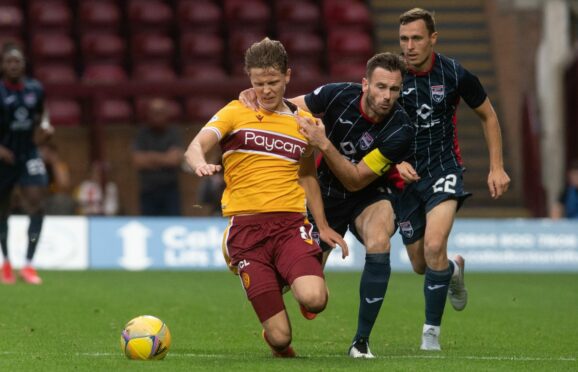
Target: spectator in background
(567, 204)
(157, 155)
(59, 200)
(95, 196)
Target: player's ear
(288, 76)
(434, 38)
(364, 84)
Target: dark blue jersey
(431, 100)
(354, 134)
(21, 107)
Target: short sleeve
(223, 121)
(470, 88)
(318, 100)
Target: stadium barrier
(126, 243)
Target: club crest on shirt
(30, 99)
(437, 93)
(365, 141)
(406, 229)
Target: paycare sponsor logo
(272, 143)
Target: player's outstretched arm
(203, 142)
(354, 177)
(498, 179)
(308, 180)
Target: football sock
(435, 290)
(454, 268)
(4, 236)
(372, 288)
(34, 234)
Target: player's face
(417, 44)
(380, 92)
(269, 85)
(13, 65)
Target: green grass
(513, 322)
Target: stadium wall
(124, 243)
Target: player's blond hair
(266, 53)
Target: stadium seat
(306, 69)
(346, 13)
(239, 42)
(299, 15)
(247, 15)
(102, 48)
(202, 71)
(152, 47)
(349, 45)
(52, 47)
(64, 112)
(208, 47)
(153, 72)
(99, 16)
(201, 109)
(301, 44)
(50, 15)
(142, 106)
(11, 21)
(203, 16)
(54, 73)
(353, 71)
(105, 73)
(149, 15)
(113, 111)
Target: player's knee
(434, 248)
(378, 244)
(279, 337)
(314, 299)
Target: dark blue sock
(34, 233)
(4, 236)
(435, 290)
(372, 290)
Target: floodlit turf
(513, 322)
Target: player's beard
(374, 107)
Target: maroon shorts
(271, 250)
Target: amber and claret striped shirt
(261, 153)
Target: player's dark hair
(266, 53)
(387, 61)
(417, 14)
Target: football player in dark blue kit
(432, 89)
(21, 115)
(364, 132)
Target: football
(145, 338)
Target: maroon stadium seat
(239, 41)
(152, 47)
(349, 45)
(201, 109)
(354, 71)
(54, 73)
(346, 13)
(153, 72)
(102, 47)
(52, 47)
(113, 111)
(302, 44)
(247, 15)
(202, 71)
(54, 15)
(306, 69)
(64, 112)
(99, 16)
(208, 47)
(153, 15)
(105, 73)
(297, 15)
(11, 21)
(204, 16)
(142, 106)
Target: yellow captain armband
(378, 163)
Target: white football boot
(457, 292)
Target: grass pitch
(513, 322)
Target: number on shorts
(35, 167)
(304, 233)
(446, 184)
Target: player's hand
(6, 155)
(249, 99)
(207, 169)
(314, 130)
(498, 182)
(407, 173)
(332, 238)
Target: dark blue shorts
(422, 196)
(28, 172)
(341, 213)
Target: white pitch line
(416, 356)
